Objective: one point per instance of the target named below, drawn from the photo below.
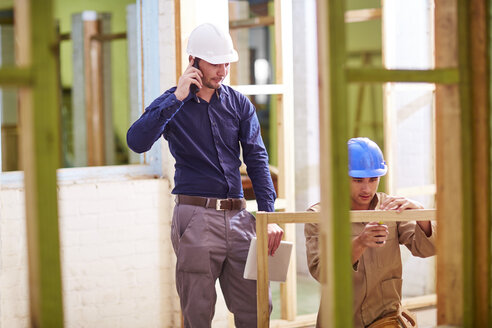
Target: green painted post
(338, 107)
(41, 158)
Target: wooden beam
(326, 233)
(177, 37)
(40, 148)
(109, 37)
(93, 96)
(285, 126)
(251, 22)
(419, 302)
(380, 75)
(476, 57)
(449, 172)
(355, 216)
(16, 76)
(362, 15)
(263, 310)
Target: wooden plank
(15, 76)
(449, 201)
(380, 75)
(362, 15)
(94, 98)
(177, 37)
(419, 302)
(40, 148)
(285, 126)
(103, 37)
(355, 216)
(251, 22)
(263, 311)
(326, 233)
(478, 63)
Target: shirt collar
(220, 93)
(374, 202)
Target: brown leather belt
(218, 204)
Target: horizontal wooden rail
(15, 76)
(381, 75)
(362, 15)
(264, 218)
(355, 216)
(252, 22)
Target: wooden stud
(379, 75)
(285, 137)
(177, 37)
(449, 201)
(263, 311)
(338, 220)
(479, 63)
(326, 233)
(93, 95)
(40, 148)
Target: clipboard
(277, 264)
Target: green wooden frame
(335, 229)
(40, 149)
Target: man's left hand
(399, 204)
(275, 234)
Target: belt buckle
(218, 204)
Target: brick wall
(117, 259)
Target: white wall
(306, 117)
(409, 125)
(117, 258)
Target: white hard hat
(210, 43)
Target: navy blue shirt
(204, 139)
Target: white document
(277, 264)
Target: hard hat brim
(229, 58)
(368, 173)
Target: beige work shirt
(377, 276)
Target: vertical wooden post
(477, 61)
(449, 199)
(92, 106)
(93, 96)
(40, 148)
(285, 135)
(263, 311)
(336, 298)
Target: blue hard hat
(365, 159)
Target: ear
(190, 57)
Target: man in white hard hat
(376, 259)
(205, 123)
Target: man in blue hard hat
(376, 259)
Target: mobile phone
(194, 87)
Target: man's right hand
(373, 235)
(191, 75)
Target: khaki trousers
(210, 245)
